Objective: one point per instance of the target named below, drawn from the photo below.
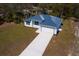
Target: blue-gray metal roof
(47, 20)
(36, 18)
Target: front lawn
(63, 43)
(15, 38)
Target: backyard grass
(14, 38)
(63, 43)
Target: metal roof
(47, 20)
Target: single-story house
(48, 22)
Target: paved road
(38, 45)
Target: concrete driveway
(38, 45)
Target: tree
(19, 17)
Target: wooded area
(13, 12)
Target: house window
(28, 22)
(36, 23)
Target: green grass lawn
(62, 44)
(15, 38)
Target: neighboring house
(76, 29)
(44, 22)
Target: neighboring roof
(47, 20)
(76, 24)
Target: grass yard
(15, 38)
(63, 43)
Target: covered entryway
(35, 24)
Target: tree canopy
(14, 12)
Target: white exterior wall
(31, 24)
(25, 23)
(40, 28)
(44, 29)
(55, 31)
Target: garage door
(44, 29)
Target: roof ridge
(42, 17)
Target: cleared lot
(14, 38)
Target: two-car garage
(44, 29)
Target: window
(36, 23)
(28, 22)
